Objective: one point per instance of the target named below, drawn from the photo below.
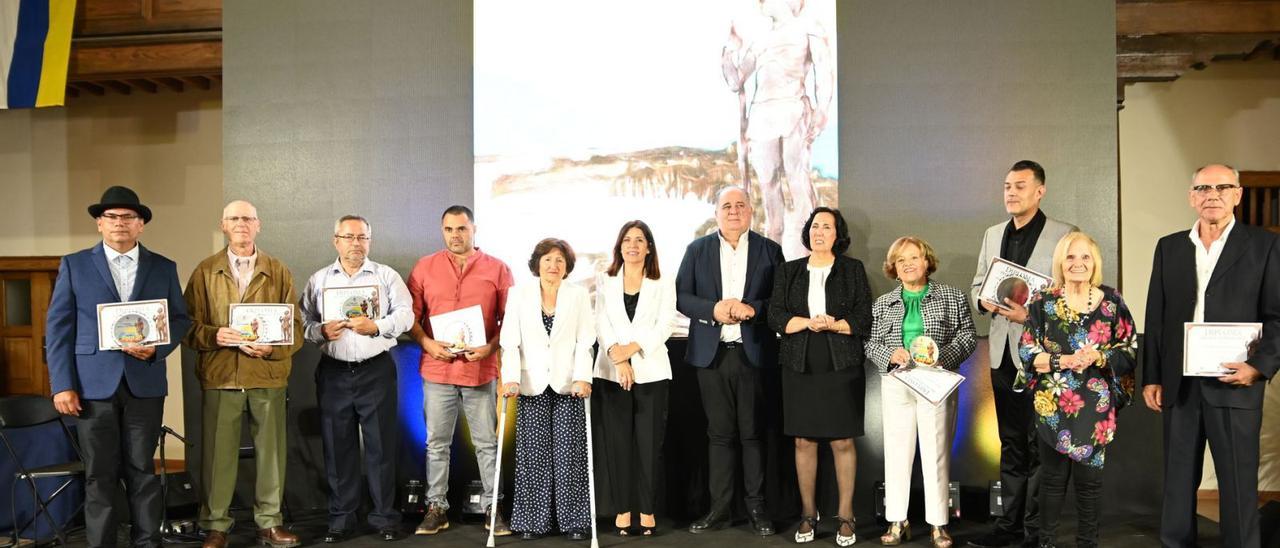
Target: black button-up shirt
(1018, 243)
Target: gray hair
(1196, 173)
(338, 224)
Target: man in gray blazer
(1028, 239)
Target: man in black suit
(723, 287)
(1219, 271)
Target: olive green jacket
(209, 293)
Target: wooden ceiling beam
(171, 83)
(1183, 43)
(143, 84)
(1156, 65)
(89, 87)
(146, 60)
(117, 86)
(1197, 17)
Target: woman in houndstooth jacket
(917, 307)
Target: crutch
(497, 467)
(591, 474)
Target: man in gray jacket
(1028, 239)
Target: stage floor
(1118, 533)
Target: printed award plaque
(1206, 346)
(923, 376)
(341, 303)
(1008, 280)
(266, 324)
(460, 329)
(136, 323)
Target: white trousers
(907, 415)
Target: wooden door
(26, 285)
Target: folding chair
(24, 412)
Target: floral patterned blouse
(1076, 412)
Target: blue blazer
(698, 290)
(71, 328)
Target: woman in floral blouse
(1079, 346)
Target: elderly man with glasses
(234, 374)
(1218, 271)
(356, 378)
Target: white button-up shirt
(394, 303)
(733, 280)
(123, 271)
(818, 289)
(1206, 261)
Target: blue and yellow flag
(35, 44)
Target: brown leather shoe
(277, 537)
(215, 539)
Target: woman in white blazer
(635, 308)
(547, 334)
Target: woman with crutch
(547, 335)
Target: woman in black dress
(821, 305)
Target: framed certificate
(1206, 346)
(1008, 280)
(268, 324)
(931, 383)
(136, 323)
(341, 303)
(460, 329)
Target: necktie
(124, 276)
(245, 274)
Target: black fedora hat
(123, 198)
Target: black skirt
(821, 402)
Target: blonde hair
(1060, 254)
(895, 249)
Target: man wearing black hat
(117, 394)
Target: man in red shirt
(457, 278)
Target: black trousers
(1055, 470)
(118, 436)
(733, 399)
(1233, 437)
(634, 426)
(1019, 469)
(356, 399)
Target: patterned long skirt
(551, 465)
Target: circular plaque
(130, 329)
(355, 306)
(1014, 289)
(924, 351)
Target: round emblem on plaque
(355, 306)
(130, 329)
(1014, 289)
(924, 351)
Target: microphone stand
(167, 532)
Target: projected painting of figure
(589, 114)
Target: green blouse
(912, 320)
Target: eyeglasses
(349, 237)
(1203, 190)
(127, 217)
(239, 219)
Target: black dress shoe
(714, 519)
(578, 534)
(997, 539)
(529, 535)
(760, 523)
(391, 534)
(336, 535)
